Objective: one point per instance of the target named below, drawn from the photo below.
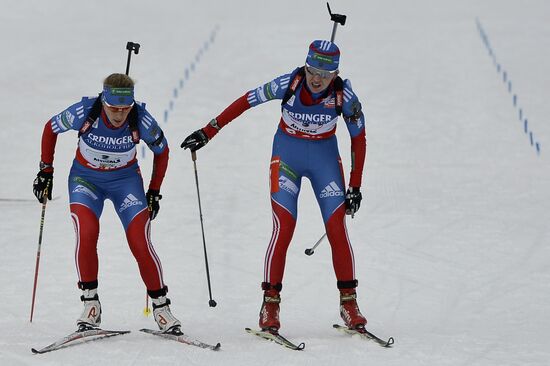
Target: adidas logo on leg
(129, 201)
(331, 190)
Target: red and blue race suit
(305, 146)
(106, 167)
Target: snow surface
(451, 242)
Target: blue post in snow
(186, 73)
(175, 92)
(525, 125)
(538, 148)
(520, 114)
(165, 115)
(531, 137)
(516, 102)
(509, 86)
(504, 76)
(181, 83)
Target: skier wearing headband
(106, 167)
(313, 97)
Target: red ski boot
(269, 313)
(349, 311)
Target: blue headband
(118, 96)
(323, 55)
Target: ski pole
(337, 19)
(38, 250)
(211, 302)
(131, 46)
(310, 251)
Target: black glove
(153, 198)
(42, 186)
(353, 200)
(195, 141)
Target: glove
(42, 186)
(195, 141)
(153, 197)
(353, 200)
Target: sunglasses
(118, 108)
(324, 74)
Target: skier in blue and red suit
(305, 145)
(106, 167)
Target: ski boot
(91, 315)
(349, 311)
(166, 322)
(269, 313)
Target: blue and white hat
(323, 55)
(118, 96)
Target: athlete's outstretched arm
(275, 89)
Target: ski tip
(390, 342)
(217, 347)
(34, 351)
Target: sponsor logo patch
(84, 190)
(288, 185)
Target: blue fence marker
(188, 71)
(506, 79)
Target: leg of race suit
(285, 188)
(86, 226)
(138, 234)
(329, 186)
(130, 203)
(86, 205)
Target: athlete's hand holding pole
(43, 195)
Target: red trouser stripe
(283, 229)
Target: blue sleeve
(150, 132)
(275, 89)
(73, 117)
(352, 111)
